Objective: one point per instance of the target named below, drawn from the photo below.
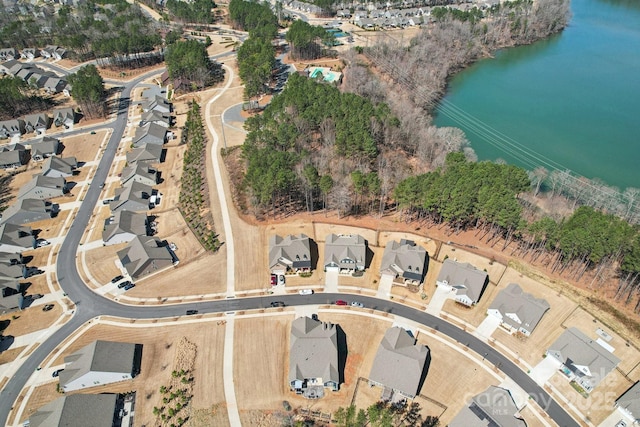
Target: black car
(277, 304)
(191, 312)
(47, 307)
(56, 372)
(129, 286)
(117, 279)
(124, 284)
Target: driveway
(438, 299)
(331, 281)
(487, 327)
(384, 289)
(543, 371)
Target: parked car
(42, 243)
(281, 279)
(124, 284)
(305, 291)
(56, 372)
(107, 201)
(341, 302)
(173, 246)
(277, 304)
(357, 304)
(621, 423)
(191, 312)
(129, 286)
(274, 279)
(117, 279)
(36, 296)
(47, 307)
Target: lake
(569, 102)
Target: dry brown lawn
(530, 418)
(85, 147)
(41, 396)
(476, 314)
(51, 227)
(260, 361)
(9, 356)
(29, 320)
(96, 224)
(585, 322)
(101, 262)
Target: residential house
(10, 299)
(135, 196)
(583, 360)
(313, 357)
(24, 211)
(7, 54)
(16, 238)
(43, 187)
(124, 226)
(57, 167)
(157, 117)
(99, 363)
(104, 410)
(45, 147)
(48, 51)
(11, 128)
(145, 255)
(157, 103)
(54, 85)
(405, 259)
(151, 133)
(5, 67)
(11, 258)
(493, 407)
(345, 253)
(66, 91)
(37, 123)
(26, 72)
(464, 279)
(518, 311)
(150, 153)
(30, 53)
(400, 365)
(629, 403)
(139, 172)
(12, 272)
(366, 23)
(291, 253)
(13, 156)
(343, 13)
(15, 66)
(64, 117)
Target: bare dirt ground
(30, 320)
(101, 262)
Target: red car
(341, 302)
(274, 280)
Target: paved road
(90, 304)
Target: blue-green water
(570, 102)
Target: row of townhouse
(129, 222)
(30, 53)
(38, 124)
(36, 76)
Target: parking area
(543, 371)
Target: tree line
(190, 67)
(17, 98)
(306, 41)
(88, 91)
(196, 11)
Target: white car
(357, 304)
(42, 243)
(305, 291)
(281, 279)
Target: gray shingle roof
(46, 146)
(313, 350)
(576, 350)
(125, 222)
(56, 184)
(24, 211)
(405, 259)
(16, 235)
(345, 251)
(141, 169)
(469, 279)
(399, 362)
(494, 407)
(292, 251)
(514, 302)
(64, 166)
(144, 255)
(630, 400)
(77, 410)
(134, 194)
(99, 356)
(146, 152)
(151, 133)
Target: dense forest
(17, 98)
(88, 91)
(196, 11)
(114, 31)
(307, 41)
(190, 67)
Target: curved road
(90, 304)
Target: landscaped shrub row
(194, 195)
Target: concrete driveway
(543, 371)
(487, 327)
(437, 301)
(331, 281)
(384, 289)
